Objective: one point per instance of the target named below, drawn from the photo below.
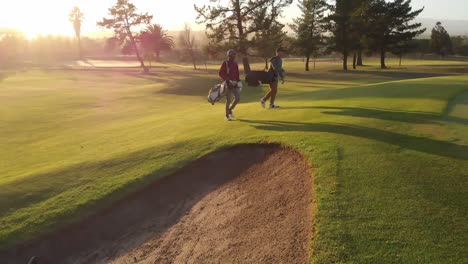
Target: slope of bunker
(246, 204)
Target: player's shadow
(400, 75)
(413, 117)
(427, 145)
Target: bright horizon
(28, 16)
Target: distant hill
(453, 27)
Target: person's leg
(268, 95)
(274, 92)
(236, 93)
(228, 103)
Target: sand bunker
(247, 204)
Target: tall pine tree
(310, 28)
(233, 21)
(360, 27)
(391, 24)
(403, 47)
(123, 19)
(341, 25)
(269, 38)
(441, 42)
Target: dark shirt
(276, 65)
(233, 71)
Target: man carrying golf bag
(229, 72)
(276, 68)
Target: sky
(45, 17)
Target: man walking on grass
(276, 67)
(229, 72)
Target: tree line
(352, 28)
(375, 25)
(345, 26)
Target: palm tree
(155, 39)
(76, 18)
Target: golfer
(276, 67)
(229, 72)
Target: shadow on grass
(196, 86)
(190, 86)
(426, 145)
(383, 90)
(459, 99)
(33, 189)
(457, 70)
(332, 76)
(389, 115)
(402, 75)
(73, 184)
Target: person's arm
(237, 73)
(223, 72)
(282, 70)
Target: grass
(389, 149)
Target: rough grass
(389, 149)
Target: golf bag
(255, 78)
(220, 90)
(217, 92)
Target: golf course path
(246, 204)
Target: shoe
(228, 119)
(33, 260)
(263, 103)
(231, 115)
(274, 106)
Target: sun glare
(27, 17)
(50, 17)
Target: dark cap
(281, 49)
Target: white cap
(231, 52)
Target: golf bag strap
(227, 68)
(220, 95)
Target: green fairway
(389, 149)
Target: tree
(111, 44)
(422, 46)
(189, 44)
(51, 49)
(441, 43)
(391, 24)
(360, 26)
(403, 47)
(12, 47)
(269, 37)
(460, 45)
(266, 42)
(213, 50)
(310, 28)
(127, 48)
(124, 18)
(155, 39)
(76, 18)
(233, 21)
(340, 26)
